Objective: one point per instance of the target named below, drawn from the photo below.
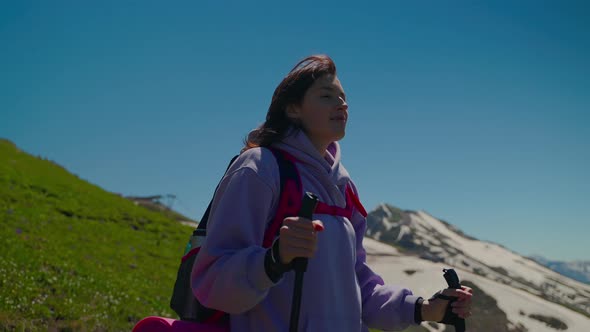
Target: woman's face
(323, 112)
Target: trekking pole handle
(452, 278)
(310, 201)
(453, 281)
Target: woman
(234, 273)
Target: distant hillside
(577, 270)
(76, 257)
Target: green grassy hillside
(75, 257)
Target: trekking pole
(310, 201)
(453, 281)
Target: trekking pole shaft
(460, 326)
(310, 201)
(296, 302)
(308, 205)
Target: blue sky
(476, 112)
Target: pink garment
(163, 324)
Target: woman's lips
(339, 118)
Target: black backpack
(183, 302)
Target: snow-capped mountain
(577, 270)
(523, 289)
(497, 307)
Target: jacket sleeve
(229, 274)
(385, 307)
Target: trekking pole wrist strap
(272, 263)
(418, 310)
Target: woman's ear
(292, 112)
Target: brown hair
(290, 91)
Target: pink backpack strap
(323, 208)
(290, 195)
(356, 202)
(352, 202)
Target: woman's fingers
(318, 226)
(298, 238)
(462, 293)
(467, 289)
(303, 224)
(301, 227)
(462, 312)
(299, 242)
(291, 248)
(462, 307)
(297, 233)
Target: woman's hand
(434, 309)
(298, 238)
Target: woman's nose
(344, 106)
(343, 103)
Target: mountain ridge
(420, 234)
(496, 307)
(578, 270)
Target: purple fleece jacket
(340, 292)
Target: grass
(76, 257)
